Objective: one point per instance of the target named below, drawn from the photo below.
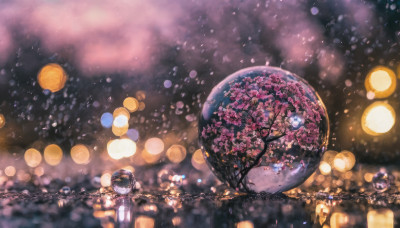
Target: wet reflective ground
(201, 210)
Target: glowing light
(142, 106)
(119, 131)
(198, 161)
(2, 121)
(245, 224)
(378, 118)
(381, 81)
(52, 77)
(382, 218)
(80, 154)
(120, 121)
(140, 95)
(53, 154)
(339, 219)
(106, 120)
(131, 104)
(324, 168)
(133, 134)
(129, 168)
(368, 177)
(176, 153)
(154, 145)
(144, 222)
(39, 171)
(150, 158)
(10, 171)
(322, 211)
(344, 161)
(121, 111)
(329, 156)
(105, 180)
(32, 157)
(121, 148)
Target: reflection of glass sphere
(263, 129)
(381, 181)
(123, 181)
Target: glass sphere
(381, 181)
(263, 129)
(123, 181)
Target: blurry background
(110, 84)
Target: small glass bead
(123, 181)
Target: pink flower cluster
(258, 113)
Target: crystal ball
(263, 129)
(381, 181)
(123, 181)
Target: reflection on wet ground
(175, 209)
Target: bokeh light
(245, 224)
(140, 95)
(378, 118)
(121, 111)
(150, 158)
(329, 156)
(106, 120)
(381, 218)
(344, 161)
(339, 219)
(52, 77)
(105, 179)
(381, 81)
(325, 168)
(133, 134)
(2, 120)
(10, 171)
(154, 145)
(121, 148)
(176, 153)
(119, 131)
(144, 221)
(198, 161)
(131, 104)
(32, 157)
(53, 154)
(80, 154)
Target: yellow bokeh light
(154, 145)
(53, 154)
(176, 153)
(378, 118)
(325, 168)
(198, 161)
(382, 218)
(119, 131)
(2, 120)
(105, 179)
(52, 77)
(150, 158)
(329, 156)
(142, 106)
(39, 171)
(32, 157)
(368, 177)
(80, 154)
(245, 224)
(322, 211)
(121, 148)
(131, 104)
(140, 95)
(121, 111)
(381, 81)
(10, 171)
(339, 219)
(144, 222)
(344, 161)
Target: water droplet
(123, 181)
(65, 190)
(381, 181)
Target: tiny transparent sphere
(123, 181)
(65, 190)
(381, 181)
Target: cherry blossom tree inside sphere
(263, 129)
